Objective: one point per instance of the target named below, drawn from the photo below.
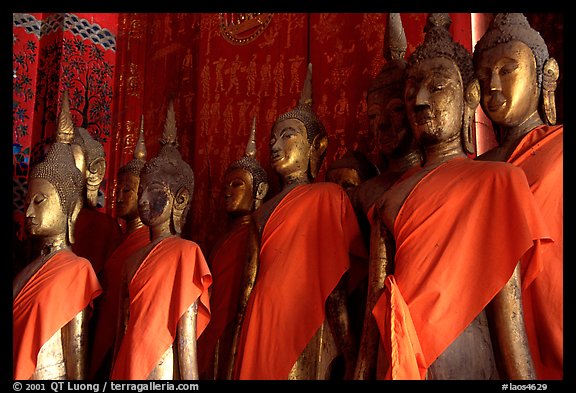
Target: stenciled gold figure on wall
(53, 294)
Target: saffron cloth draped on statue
(454, 252)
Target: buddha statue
(135, 237)
(517, 84)
(400, 154)
(245, 186)
(292, 320)
(53, 294)
(451, 304)
(351, 170)
(97, 233)
(164, 300)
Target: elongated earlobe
(551, 73)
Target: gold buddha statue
(97, 233)
(292, 320)
(53, 294)
(517, 83)
(164, 300)
(135, 237)
(245, 186)
(451, 305)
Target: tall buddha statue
(517, 83)
(292, 320)
(245, 187)
(135, 237)
(53, 294)
(463, 230)
(164, 300)
(97, 233)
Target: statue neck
(401, 164)
(293, 180)
(237, 222)
(443, 151)
(512, 134)
(52, 244)
(133, 225)
(160, 231)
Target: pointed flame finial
(140, 149)
(251, 145)
(394, 38)
(65, 132)
(169, 135)
(306, 96)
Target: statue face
(434, 100)
(238, 193)
(387, 118)
(289, 148)
(80, 160)
(127, 196)
(44, 215)
(154, 200)
(347, 178)
(507, 76)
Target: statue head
(54, 196)
(351, 170)
(166, 183)
(385, 99)
(90, 160)
(441, 91)
(245, 181)
(298, 141)
(129, 181)
(513, 66)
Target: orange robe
(227, 266)
(61, 288)
(540, 154)
(107, 306)
(96, 236)
(304, 252)
(171, 278)
(459, 235)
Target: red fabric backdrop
(221, 70)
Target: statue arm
(380, 264)
(248, 281)
(507, 319)
(74, 345)
(186, 341)
(339, 322)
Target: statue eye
(39, 198)
(508, 68)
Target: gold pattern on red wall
(242, 28)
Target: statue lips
(497, 101)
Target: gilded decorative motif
(240, 29)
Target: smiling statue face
(507, 75)
(387, 118)
(289, 148)
(238, 194)
(44, 215)
(434, 100)
(154, 200)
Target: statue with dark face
(164, 302)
